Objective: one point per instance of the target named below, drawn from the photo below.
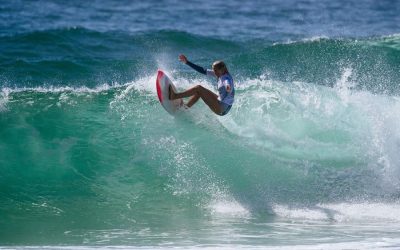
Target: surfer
(221, 103)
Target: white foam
(310, 39)
(298, 120)
(228, 208)
(343, 212)
(288, 114)
(3, 100)
(367, 244)
(57, 89)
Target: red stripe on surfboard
(158, 86)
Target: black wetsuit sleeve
(197, 68)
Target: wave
(93, 152)
(82, 57)
(282, 142)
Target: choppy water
(307, 158)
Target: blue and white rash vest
(225, 86)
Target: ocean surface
(307, 158)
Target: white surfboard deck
(162, 86)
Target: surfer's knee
(199, 88)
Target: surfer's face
(219, 68)
(218, 72)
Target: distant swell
(82, 57)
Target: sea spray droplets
(344, 85)
(131, 94)
(293, 114)
(3, 100)
(383, 117)
(190, 174)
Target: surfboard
(162, 86)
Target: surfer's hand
(183, 58)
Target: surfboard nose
(159, 74)
(158, 86)
(163, 83)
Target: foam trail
(343, 212)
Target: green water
(308, 155)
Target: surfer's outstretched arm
(198, 68)
(212, 100)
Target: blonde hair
(220, 66)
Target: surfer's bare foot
(183, 105)
(171, 93)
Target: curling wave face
(85, 146)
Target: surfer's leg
(187, 93)
(193, 100)
(209, 97)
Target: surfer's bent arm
(200, 69)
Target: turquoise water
(306, 159)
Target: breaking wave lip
(304, 40)
(319, 38)
(142, 84)
(5, 92)
(55, 89)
